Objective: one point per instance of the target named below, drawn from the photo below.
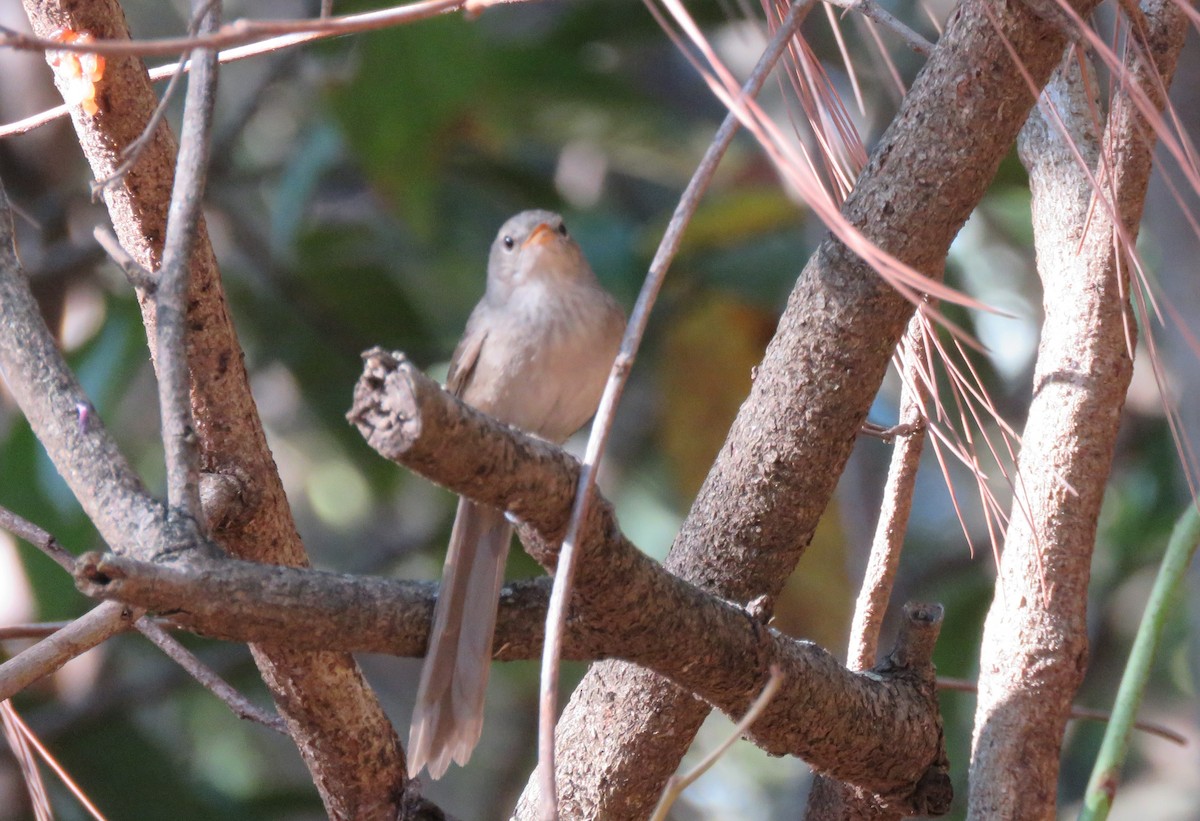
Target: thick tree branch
(626, 729)
(1035, 640)
(337, 723)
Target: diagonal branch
(888, 542)
(206, 676)
(76, 638)
(689, 201)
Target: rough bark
(1035, 639)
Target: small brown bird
(535, 354)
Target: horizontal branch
(308, 609)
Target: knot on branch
(94, 575)
(934, 792)
(227, 499)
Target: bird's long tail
(448, 716)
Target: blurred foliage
(356, 187)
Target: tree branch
(888, 542)
(338, 725)
(828, 798)
(239, 32)
(34, 663)
(1035, 638)
(206, 676)
(308, 609)
(171, 295)
(30, 532)
(50, 396)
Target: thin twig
(138, 276)
(97, 625)
(962, 685)
(31, 630)
(886, 433)
(197, 669)
(41, 629)
(688, 202)
(316, 30)
(168, 72)
(884, 559)
(174, 379)
(876, 12)
(38, 537)
(677, 784)
(131, 153)
(239, 32)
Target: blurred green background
(356, 186)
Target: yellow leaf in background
(706, 362)
(817, 602)
(731, 218)
(705, 376)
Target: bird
(535, 354)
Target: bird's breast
(545, 359)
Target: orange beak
(542, 234)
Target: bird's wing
(464, 360)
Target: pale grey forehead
(526, 221)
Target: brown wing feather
(464, 360)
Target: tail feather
(448, 716)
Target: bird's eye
(562, 228)
(508, 243)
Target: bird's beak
(542, 234)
